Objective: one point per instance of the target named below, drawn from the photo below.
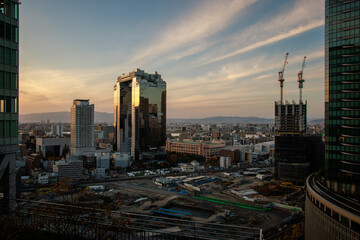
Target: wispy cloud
(189, 31)
(241, 85)
(304, 16)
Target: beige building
(205, 149)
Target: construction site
(247, 198)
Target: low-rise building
(205, 149)
(71, 169)
(52, 146)
(43, 178)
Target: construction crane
(300, 79)
(281, 78)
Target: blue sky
(218, 57)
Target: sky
(218, 57)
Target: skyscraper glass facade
(9, 69)
(9, 91)
(342, 96)
(140, 112)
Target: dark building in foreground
(332, 207)
(297, 156)
(140, 113)
(9, 82)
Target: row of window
(341, 51)
(350, 69)
(8, 128)
(9, 32)
(9, 56)
(345, 95)
(338, 156)
(8, 104)
(343, 6)
(337, 12)
(330, 139)
(341, 42)
(349, 77)
(344, 113)
(336, 86)
(344, 122)
(343, 104)
(349, 140)
(9, 8)
(341, 34)
(335, 26)
(8, 80)
(334, 215)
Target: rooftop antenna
(281, 77)
(300, 79)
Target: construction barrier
(237, 204)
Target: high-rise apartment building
(140, 113)
(82, 127)
(9, 92)
(332, 207)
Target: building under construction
(297, 154)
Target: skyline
(214, 64)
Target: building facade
(332, 207)
(290, 118)
(52, 146)
(82, 127)
(139, 113)
(297, 156)
(205, 149)
(9, 92)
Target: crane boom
(281, 78)
(300, 78)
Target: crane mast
(300, 79)
(281, 78)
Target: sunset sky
(218, 57)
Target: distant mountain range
(104, 117)
(221, 119)
(63, 117)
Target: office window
(7, 128)
(7, 56)
(14, 34)
(1, 128)
(14, 58)
(7, 80)
(2, 79)
(2, 55)
(14, 129)
(2, 29)
(8, 32)
(14, 81)
(2, 104)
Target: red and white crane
(281, 78)
(300, 79)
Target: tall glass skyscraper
(9, 92)
(342, 96)
(140, 112)
(332, 208)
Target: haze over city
(217, 59)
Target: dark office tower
(332, 207)
(140, 113)
(9, 72)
